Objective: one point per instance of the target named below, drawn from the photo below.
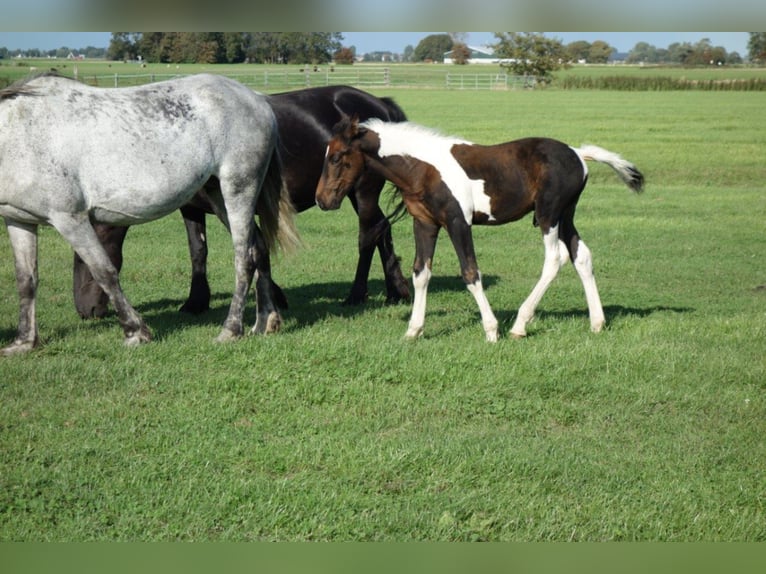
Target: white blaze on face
(427, 145)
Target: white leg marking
(417, 319)
(584, 265)
(553, 258)
(488, 320)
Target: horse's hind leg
(555, 256)
(425, 245)
(583, 262)
(268, 319)
(78, 231)
(24, 243)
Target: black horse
(305, 119)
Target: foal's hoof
(597, 327)
(517, 336)
(413, 333)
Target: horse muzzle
(330, 200)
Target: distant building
(478, 55)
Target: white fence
(488, 82)
(275, 81)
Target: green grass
(338, 429)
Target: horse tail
(628, 172)
(275, 210)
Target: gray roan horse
(452, 183)
(72, 155)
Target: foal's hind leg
(425, 245)
(583, 262)
(555, 256)
(78, 231)
(24, 243)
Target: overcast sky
(397, 41)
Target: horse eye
(335, 159)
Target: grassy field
(338, 429)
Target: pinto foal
(452, 183)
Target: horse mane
(21, 87)
(412, 136)
(395, 112)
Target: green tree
(432, 48)
(234, 46)
(530, 54)
(122, 46)
(600, 52)
(756, 47)
(642, 52)
(578, 50)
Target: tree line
(226, 47)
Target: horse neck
(395, 168)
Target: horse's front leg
(196, 234)
(462, 239)
(425, 244)
(375, 231)
(78, 231)
(24, 243)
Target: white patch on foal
(428, 145)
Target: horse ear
(355, 131)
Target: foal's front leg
(24, 243)
(425, 245)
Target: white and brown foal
(452, 183)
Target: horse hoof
(517, 336)
(413, 334)
(138, 338)
(225, 336)
(271, 324)
(17, 348)
(597, 327)
(492, 337)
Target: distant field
(277, 78)
(337, 429)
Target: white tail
(628, 172)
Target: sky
(397, 41)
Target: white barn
(479, 55)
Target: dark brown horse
(305, 119)
(452, 183)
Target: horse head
(344, 162)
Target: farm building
(479, 55)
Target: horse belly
(130, 192)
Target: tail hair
(276, 212)
(627, 172)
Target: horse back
(521, 173)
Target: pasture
(338, 429)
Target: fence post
(116, 81)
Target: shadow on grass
(313, 303)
